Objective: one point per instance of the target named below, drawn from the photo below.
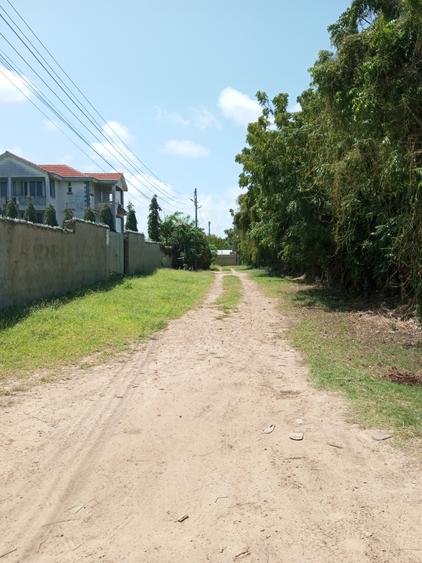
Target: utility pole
(209, 228)
(195, 202)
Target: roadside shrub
(67, 215)
(50, 216)
(106, 217)
(30, 213)
(11, 209)
(89, 215)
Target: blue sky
(176, 78)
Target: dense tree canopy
(189, 243)
(335, 189)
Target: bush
(67, 215)
(30, 213)
(89, 215)
(11, 209)
(50, 216)
(106, 217)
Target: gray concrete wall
(37, 261)
(115, 253)
(226, 259)
(144, 256)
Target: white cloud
(199, 117)
(171, 116)
(217, 210)
(238, 107)
(114, 128)
(114, 150)
(203, 119)
(186, 148)
(9, 84)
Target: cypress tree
(30, 213)
(89, 215)
(67, 215)
(131, 221)
(50, 216)
(154, 220)
(106, 217)
(11, 209)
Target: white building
(62, 186)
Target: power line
(75, 85)
(40, 96)
(46, 102)
(78, 119)
(94, 122)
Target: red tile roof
(61, 169)
(69, 172)
(112, 176)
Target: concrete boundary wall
(37, 261)
(227, 259)
(144, 256)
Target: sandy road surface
(101, 467)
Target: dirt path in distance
(102, 467)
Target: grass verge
(232, 292)
(104, 318)
(351, 348)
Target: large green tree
(154, 220)
(335, 190)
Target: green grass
(232, 292)
(105, 318)
(350, 351)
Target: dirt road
(102, 466)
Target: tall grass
(351, 351)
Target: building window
(36, 188)
(3, 189)
(52, 188)
(28, 188)
(19, 187)
(69, 187)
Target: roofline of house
(69, 178)
(27, 162)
